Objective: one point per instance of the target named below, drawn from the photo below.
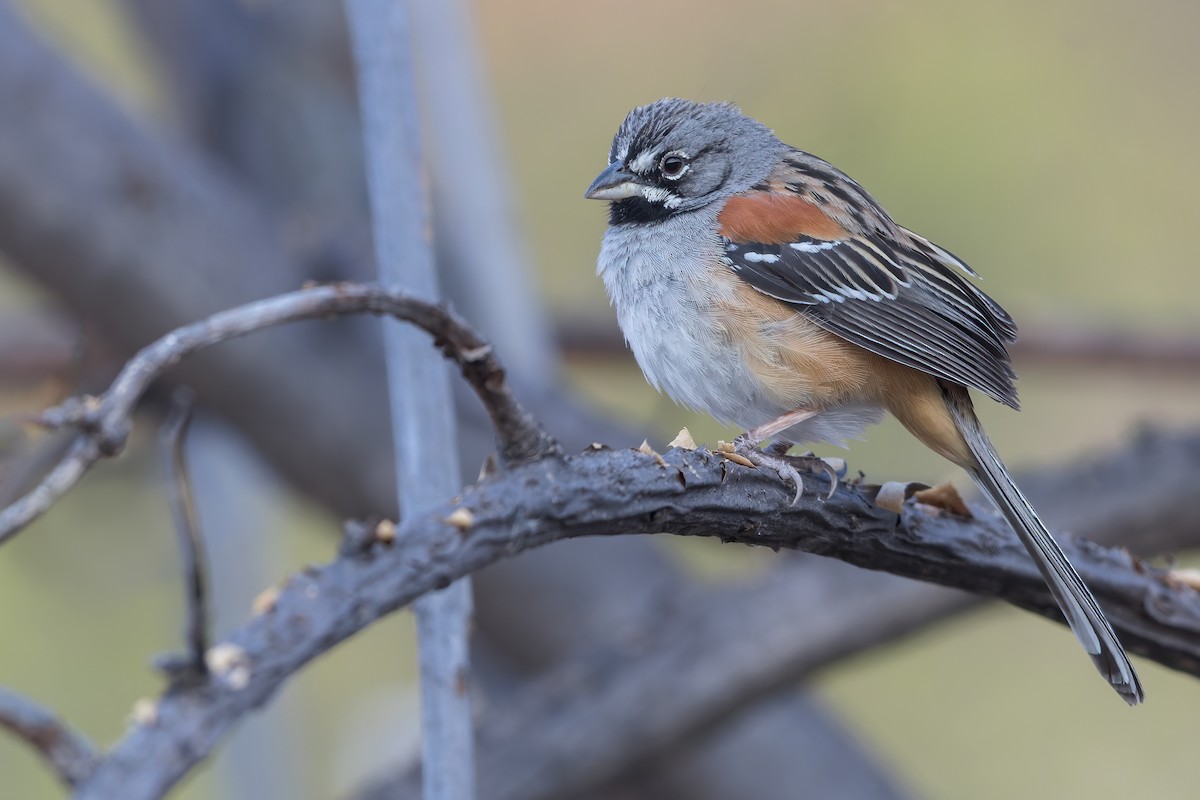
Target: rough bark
(623, 492)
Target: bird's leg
(746, 445)
(778, 425)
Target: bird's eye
(672, 165)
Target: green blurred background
(1052, 145)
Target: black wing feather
(908, 301)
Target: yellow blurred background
(1051, 145)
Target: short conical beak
(615, 183)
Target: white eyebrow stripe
(644, 162)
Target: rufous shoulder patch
(772, 218)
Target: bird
(760, 284)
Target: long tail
(1076, 601)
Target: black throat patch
(635, 210)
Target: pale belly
(671, 323)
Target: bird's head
(674, 156)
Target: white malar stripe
(809, 247)
(760, 258)
(656, 194)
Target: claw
(816, 464)
(788, 473)
(745, 447)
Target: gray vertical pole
(419, 381)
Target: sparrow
(762, 285)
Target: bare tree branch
(79, 458)
(25, 460)
(617, 492)
(191, 539)
(1107, 347)
(527, 746)
(105, 422)
(71, 756)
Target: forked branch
(105, 422)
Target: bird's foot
(744, 450)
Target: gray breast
(656, 277)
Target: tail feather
(1078, 605)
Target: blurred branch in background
(1064, 344)
(95, 218)
(480, 249)
(423, 420)
(36, 346)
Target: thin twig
(105, 422)
(29, 461)
(187, 527)
(620, 492)
(82, 454)
(68, 752)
